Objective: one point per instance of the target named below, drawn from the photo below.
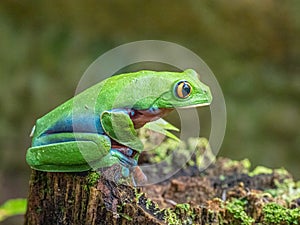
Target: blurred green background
(252, 47)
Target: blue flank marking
(77, 124)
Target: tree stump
(226, 193)
(85, 198)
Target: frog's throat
(141, 117)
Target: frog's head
(151, 90)
(186, 91)
(164, 91)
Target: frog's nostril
(205, 91)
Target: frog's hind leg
(67, 152)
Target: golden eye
(183, 89)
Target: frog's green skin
(97, 127)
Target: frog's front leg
(118, 125)
(126, 145)
(69, 152)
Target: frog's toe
(138, 176)
(125, 172)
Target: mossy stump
(226, 193)
(73, 198)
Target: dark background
(251, 46)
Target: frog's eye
(183, 89)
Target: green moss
(236, 208)
(260, 170)
(287, 190)
(159, 151)
(188, 211)
(163, 150)
(245, 164)
(148, 203)
(185, 212)
(120, 208)
(185, 207)
(137, 194)
(282, 172)
(264, 170)
(157, 209)
(91, 180)
(198, 146)
(171, 217)
(277, 214)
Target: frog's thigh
(68, 155)
(102, 141)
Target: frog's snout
(208, 95)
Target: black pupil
(186, 89)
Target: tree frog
(97, 128)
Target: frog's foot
(128, 160)
(125, 155)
